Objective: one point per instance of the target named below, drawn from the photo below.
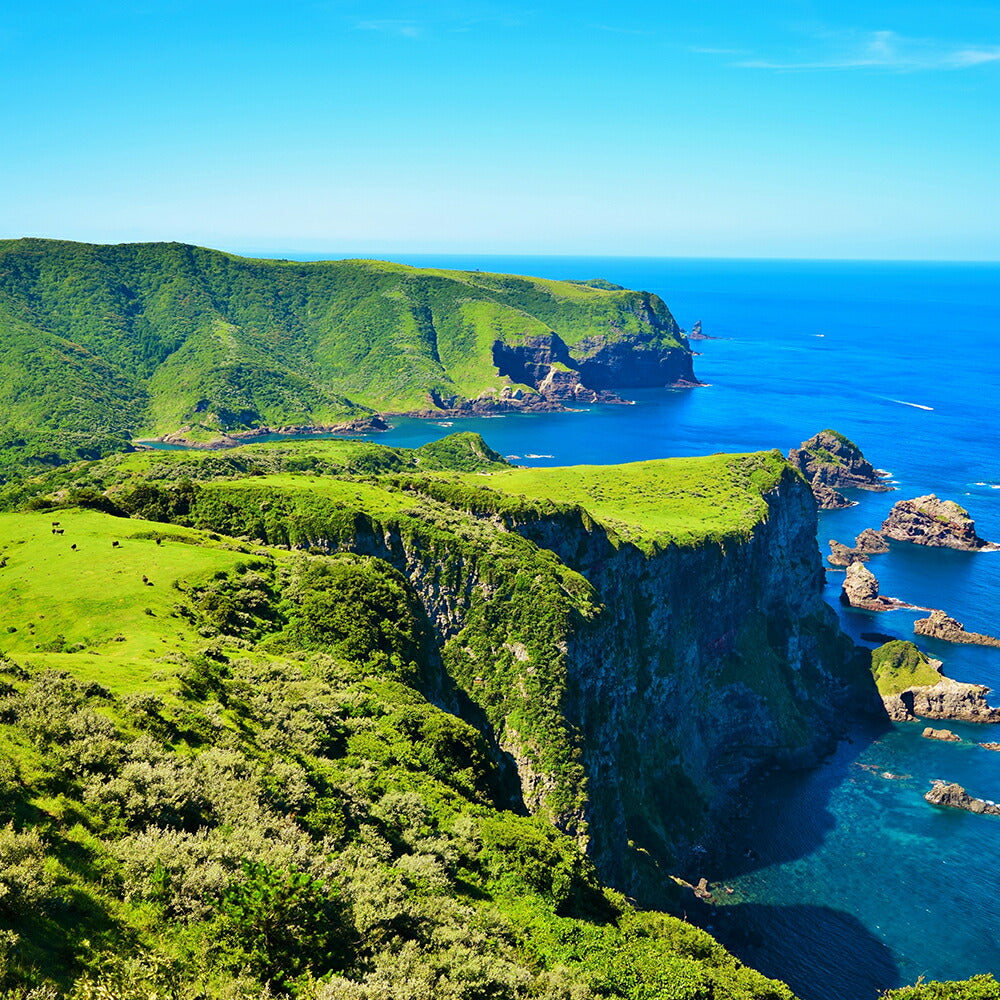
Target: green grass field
(678, 500)
(92, 599)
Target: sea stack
(941, 626)
(928, 520)
(832, 462)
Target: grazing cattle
(114, 545)
(145, 579)
(55, 524)
(158, 540)
(73, 546)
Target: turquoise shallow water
(845, 881)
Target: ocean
(845, 882)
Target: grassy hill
(234, 762)
(241, 757)
(103, 344)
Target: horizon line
(317, 256)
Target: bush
(283, 922)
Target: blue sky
(707, 128)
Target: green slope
(234, 778)
(102, 343)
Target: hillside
(326, 708)
(101, 345)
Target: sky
(705, 128)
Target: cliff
(635, 675)
(636, 643)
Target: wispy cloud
(878, 50)
(390, 26)
(618, 29)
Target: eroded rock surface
(941, 734)
(929, 520)
(948, 699)
(831, 462)
(947, 793)
(940, 626)
(860, 590)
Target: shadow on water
(821, 953)
(786, 822)
(785, 815)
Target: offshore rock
(860, 590)
(944, 793)
(948, 699)
(871, 542)
(940, 734)
(940, 626)
(831, 462)
(929, 521)
(844, 555)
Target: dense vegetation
(899, 665)
(238, 760)
(103, 344)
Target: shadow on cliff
(833, 957)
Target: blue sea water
(845, 882)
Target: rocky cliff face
(633, 694)
(705, 666)
(592, 369)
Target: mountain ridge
(103, 345)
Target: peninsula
(101, 346)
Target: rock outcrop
(869, 542)
(827, 498)
(946, 735)
(947, 699)
(911, 685)
(945, 793)
(860, 590)
(592, 369)
(929, 521)
(830, 462)
(940, 626)
(843, 555)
